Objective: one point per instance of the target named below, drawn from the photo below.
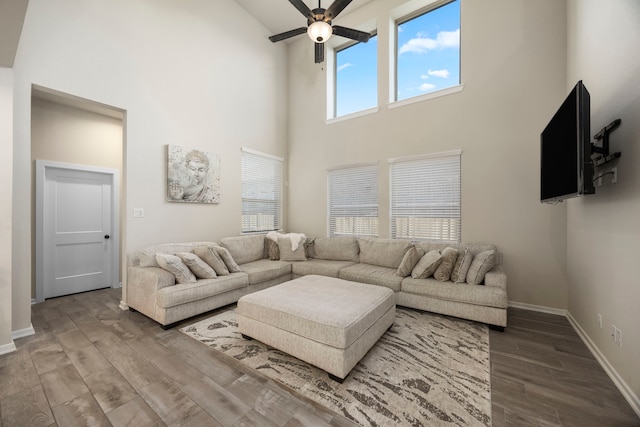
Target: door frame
(41, 168)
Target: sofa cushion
(244, 249)
(427, 265)
(336, 248)
(449, 257)
(463, 262)
(210, 255)
(205, 288)
(383, 252)
(322, 267)
(286, 251)
(373, 275)
(458, 292)
(409, 261)
(198, 267)
(175, 266)
(482, 262)
(265, 269)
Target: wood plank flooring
(91, 363)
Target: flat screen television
(566, 168)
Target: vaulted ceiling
(276, 15)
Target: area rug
(426, 370)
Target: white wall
(6, 168)
(514, 77)
(603, 231)
(194, 73)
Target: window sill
(352, 115)
(426, 96)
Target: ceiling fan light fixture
(319, 31)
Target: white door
(78, 236)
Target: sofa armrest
(143, 283)
(496, 277)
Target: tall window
(428, 51)
(261, 191)
(425, 197)
(356, 77)
(353, 201)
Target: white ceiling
(276, 15)
(279, 15)
(12, 14)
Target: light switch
(138, 213)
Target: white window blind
(352, 199)
(261, 192)
(425, 197)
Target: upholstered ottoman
(327, 322)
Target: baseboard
(7, 348)
(23, 332)
(123, 306)
(539, 308)
(624, 388)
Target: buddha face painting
(192, 177)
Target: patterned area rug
(426, 370)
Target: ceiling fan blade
(352, 34)
(336, 7)
(319, 52)
(303, 8)
(288, 34)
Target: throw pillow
(226, 257)
(210, 255)
(201, 269)
(409, 261)
(273, 252)
(459, 273)
(286, 252)
(427, 265)
(449, 257)
(174, 265)
(482, 262)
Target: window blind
(261, 192)
(426, 197)
(352, 201)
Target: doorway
(77, 230)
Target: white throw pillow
(198, 267)
(482, 262)
(427, 265)
(174, 265)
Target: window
(261, 191)
(356, 77)
(352, 201)
(425, 197)
(428, 51)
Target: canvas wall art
(193, 176)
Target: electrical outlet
(138, 213)
(618, 337)
(614, 175)
(613, 333)
(600, 320)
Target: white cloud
(343, 66)
(424, 76)
(439, 73)
(422, 44)
(426, 86)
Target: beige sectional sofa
(153, 291)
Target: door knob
(106, 236)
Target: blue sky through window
(357, 77)
(429, 52)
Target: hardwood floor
(91, 363)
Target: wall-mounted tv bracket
(601, 154)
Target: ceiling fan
(319, 26)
